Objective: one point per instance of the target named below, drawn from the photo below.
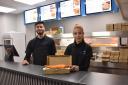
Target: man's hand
(25, 62)
(74, 68)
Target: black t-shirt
(81, 54)
(40, 49)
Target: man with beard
(39, 47)
(80, 51)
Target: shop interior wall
(8, 22)
(94, 22)
(91, 23)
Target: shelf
(123, 46)
(110, 34)
(105, 45)
(95, 39)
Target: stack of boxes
(120, 56)
(117, 27)
(106, 56)
(124, 26)
(112, 56)
(109, 27)
(123, 55)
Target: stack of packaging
(117, 27)
(120, 56)
(123, 55)
(106, 56)
(114, 56)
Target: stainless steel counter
(18, 74)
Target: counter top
(36, 70)
(123, 66)
(78, 78)
(94, 78)
(109, 67)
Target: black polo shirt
(81, 54)
(40, 49)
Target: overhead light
(101, 34)
(30, 2)
(6, 9)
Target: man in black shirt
(80, 51)
(39, 47)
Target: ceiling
(21, 7)
(123, 5)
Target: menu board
(94, 6)
(48, 12)
(70, 8)
(31, 16)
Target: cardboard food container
(56, 71)
(55, 60)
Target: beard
(40, 32)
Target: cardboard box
(123, 61)
(56, 71)
(126, 28)
(114, 60)
(60, 52)
(123, 28)
(115, 55)
(123, 53)
(123, 57)
(117, 27)
(106, 60)
(109, 27)
(58, 60)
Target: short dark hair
(40, 22)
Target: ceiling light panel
(6, 9)
(30, 2)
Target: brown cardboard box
(127, 28)
(114, 60)
(58, 60)
(109, 27)
(114, 56)
(105, 60)
(56, 71)
(123, 61)
(123, 53)
(60, 52)
(106, 56)
(117, 27)
(124, 26)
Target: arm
(88, 56)
(28, 52)
(67, 51)
(52, 48)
